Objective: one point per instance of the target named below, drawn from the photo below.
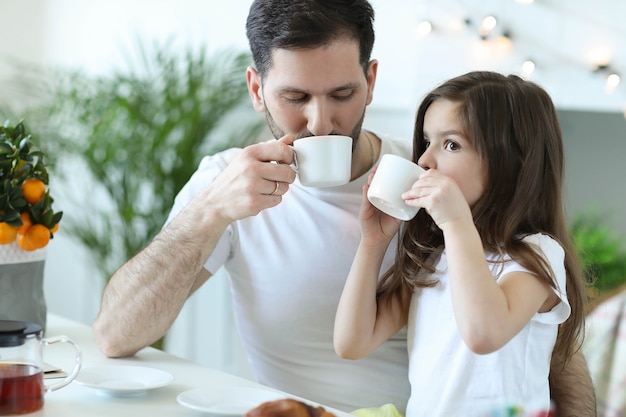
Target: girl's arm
(361, 325)
(488, 312)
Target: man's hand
(255, 180)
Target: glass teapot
(21, 367)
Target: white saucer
(123, 380)
(226, 401)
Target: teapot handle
(77, 362)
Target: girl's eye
(452, 146)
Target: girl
(486, 275)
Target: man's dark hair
(304, 24)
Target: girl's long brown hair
(513, 125)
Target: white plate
(226, 401)
(123, 380)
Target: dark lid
(15, 333)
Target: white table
(79, 400)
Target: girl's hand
(377, 228)
(440, 196)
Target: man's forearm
(571, 388)
(144, 297)
(134, 312)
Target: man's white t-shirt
(287, 268)
(447, 379)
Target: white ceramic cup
(394, 176)
(323, 161)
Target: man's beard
(279, 133)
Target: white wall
(563, 37)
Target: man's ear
(255, 89)
(372, 70)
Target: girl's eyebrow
(445, 133)
(451, 132)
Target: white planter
(21, 284)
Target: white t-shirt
(447, 379)
(287, 268)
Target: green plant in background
(126, 142)
(601, 252)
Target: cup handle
(77, 362)
(294, 164)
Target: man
(287, 248)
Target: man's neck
(365, 154)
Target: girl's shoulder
(545, 243)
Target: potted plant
(136, 135)
(601, 252)
(27, 223)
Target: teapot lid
(14, 333)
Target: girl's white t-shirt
(447, 379)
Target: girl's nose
(426, 160)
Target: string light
(423, 29)
(599, 54)
(502, 43)
(612, 81)
(528, 67)
(487, 25)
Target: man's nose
(319, 118)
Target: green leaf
(6, 148)
(136, 135)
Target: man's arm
(146, 294)
(571, 388)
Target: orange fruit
(36, 237)
(26, 223)
(8, 233)
(23, 243)
(33, 190)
